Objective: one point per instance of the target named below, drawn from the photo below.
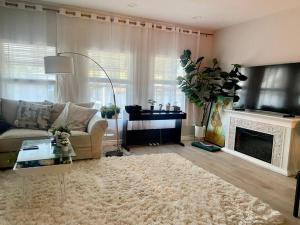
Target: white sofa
(86, 144)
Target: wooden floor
(274, 189)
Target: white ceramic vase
(200, 131)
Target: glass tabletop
(44, 154)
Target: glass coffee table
(41, 157)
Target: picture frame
(215, 131)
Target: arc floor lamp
(63, 65)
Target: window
(23, 72)
(117, 65)
(166, 71)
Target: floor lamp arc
(63, 65)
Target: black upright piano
(147, 136)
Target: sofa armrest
(96, 129)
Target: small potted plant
(152, 103)
(103, 111)
(109, 111)
(60, 133)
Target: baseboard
(111, 142)
(187, 138)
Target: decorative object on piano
(110, 111)
(160, 107)
(133, 108)
(152, 103)
(176, 108)
(168, 107)
(215, 132)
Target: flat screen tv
(274, 88)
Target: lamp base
(117, 153)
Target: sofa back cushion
(9, 110)
(33, 116)
(4, 126)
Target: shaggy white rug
(150, 189)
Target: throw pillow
(57, 109)
(9, 109)
(33, 116)
(75, 117)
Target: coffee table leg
(24, 189)
(64, 183)
(62, 186)
(26, 192)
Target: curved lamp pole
(64, 65)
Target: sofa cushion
(33, 116)
(24, 133)
(57, 109)
(74, 117)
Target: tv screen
(274, 88)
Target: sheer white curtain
(25, 38)
(143, 62)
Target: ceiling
(211, 14)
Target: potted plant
(103, 111)
(202, 85)
(109, 111)
(61, 129)
(152, 103)
(61, 136)
(199, 84)
(230, 82)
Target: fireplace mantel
(286, 138)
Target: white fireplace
(285, 156)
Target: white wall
(269, 40)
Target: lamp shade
(59, 65)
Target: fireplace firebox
(255, 144)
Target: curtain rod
(87, 15)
